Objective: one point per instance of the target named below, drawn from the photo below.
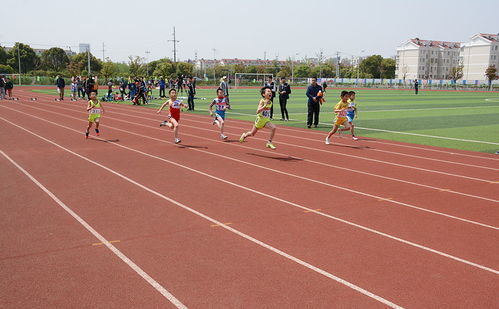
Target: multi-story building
(426, 59)
(478, 54)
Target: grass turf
(460, 120)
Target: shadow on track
(288, 158)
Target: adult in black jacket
(313, 103)
(60, 86)
(270, 83)
(284, 91)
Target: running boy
(263, 117)
(174, 113)
(352, 113)
(221, 105)
(341, 115)
(94, 109)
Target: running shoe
(355, 138)
(270, 145)
(164, 123)
(327, 141)
(177, 140)
(223, 136)
(241, 139)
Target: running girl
(263, 117)
(94, 109)
(174, 114)
(341, 115)
(221, 105)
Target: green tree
(136, 65)
(222, 70)
(284, 72)
(165, 69)
(387, 68)
(371, 65)
(74, 68)
(108, 69)
(6, 69)
(491, 74)
(251, 69)
(239, 68)
(54, 59)
(82, 60)
(456, 73)
(302, 70)
(185, 68)
(29, 59)
(3, 56)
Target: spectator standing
(284, 91)
(90, 85)
(270, 84)
(9, 85)
(324, 86)
(123, 86)
(79, 87)
(60, 86)
(191, 92)
(110, 90)
(416, 86)
(225, 87)
(96, 84)
(162, 84)
(313, 103)
(2, 87)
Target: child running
(351, 113)
(221, 105)
(174, 115)
(94, 109)
(341, 115)
(263, 117)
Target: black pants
(416, 90)
(272, 108)
(80, 90)
(190, 101)
(313, 113)
(284, 110)
(162, 92)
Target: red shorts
(175, 114)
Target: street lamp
(19, 60)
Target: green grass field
(461, 120)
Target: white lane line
(414, 109)
(101, 238)
(274, 198)
(333, 152)
(237, 232)
(305, 178)
(123, 107)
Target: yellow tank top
(265, 113)
(96, 109)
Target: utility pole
(147, 62)
(214, 64)
(175, 41)
(19, 60)
(88, 61)
(338, 64)
(103, 51)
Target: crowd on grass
(6, 86)
(135, 89)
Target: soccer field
(461, 120)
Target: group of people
(345, 109)
(6, 86)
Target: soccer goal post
(251, 79)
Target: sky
(274, 29)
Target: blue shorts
(221, 114)
(350, 116)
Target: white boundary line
(101, 238)
(332, 152)
(259, 193)
(230, 229)
(300, 177)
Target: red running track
(222, 224)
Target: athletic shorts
(340, 121)
(260, 122)
(94, 118)
(221, 114)
(350, 117)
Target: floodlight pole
(19, 61)
(88, 61)
(147, 63)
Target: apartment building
(478, 54)
(426, 59)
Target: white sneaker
(223, 136)
(355, 138)
(327, 141)
(177, 140)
